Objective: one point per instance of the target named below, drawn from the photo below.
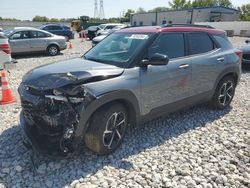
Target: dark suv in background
(59, 30)
(133, 75)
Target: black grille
(246, 56)
(28, 106)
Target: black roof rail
(188, 25)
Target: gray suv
(133, 75)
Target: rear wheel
(107, 129)
(224, 93)
(52, 50)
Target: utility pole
(101, 14)
(96, 10)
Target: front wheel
(224, 93)
(106, 129)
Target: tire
(224, 93)
(105, 134)
(53, 50)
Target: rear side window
(223, 42)
(200, 43)
(38, 34)
(170, 44)
(55, 27)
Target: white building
(206, 14)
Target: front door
(19, 42)
(166, 84)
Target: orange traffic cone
(70, 45)
(7, 97)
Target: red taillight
(240, 54)
(5, 48)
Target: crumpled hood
(67, 72)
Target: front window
(170, 44)
(20, 35)
(118, 49)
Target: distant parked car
(1, 30)
(91, 31)
(246, 53)
(107, 27)
(104, 34)
(59, 30)
(30, 40)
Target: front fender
(97, 102)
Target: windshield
(118, 48)
(7, 32)
(101, 26)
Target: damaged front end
(50, 118)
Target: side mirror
(247, 41)
(156, 59)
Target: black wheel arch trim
(120, 95)
(230, 70)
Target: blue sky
(27, 9)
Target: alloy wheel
(53, 50)
(115, 129)
(226, 93)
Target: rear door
(56, 29)
(38, 41)
(166, 84)
(19, 42)
(207, 61)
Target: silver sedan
(31, 40)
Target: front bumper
(40, 144)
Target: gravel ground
(199, 147)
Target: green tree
(179, 4)
(54, 20)
(204, 3)
(245, 12)
(126, 17)
(224, 3)
(159, 9)
(141, 10)
(40, 19)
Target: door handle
(220, 59)
(183, 66)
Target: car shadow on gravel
(15, 162)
